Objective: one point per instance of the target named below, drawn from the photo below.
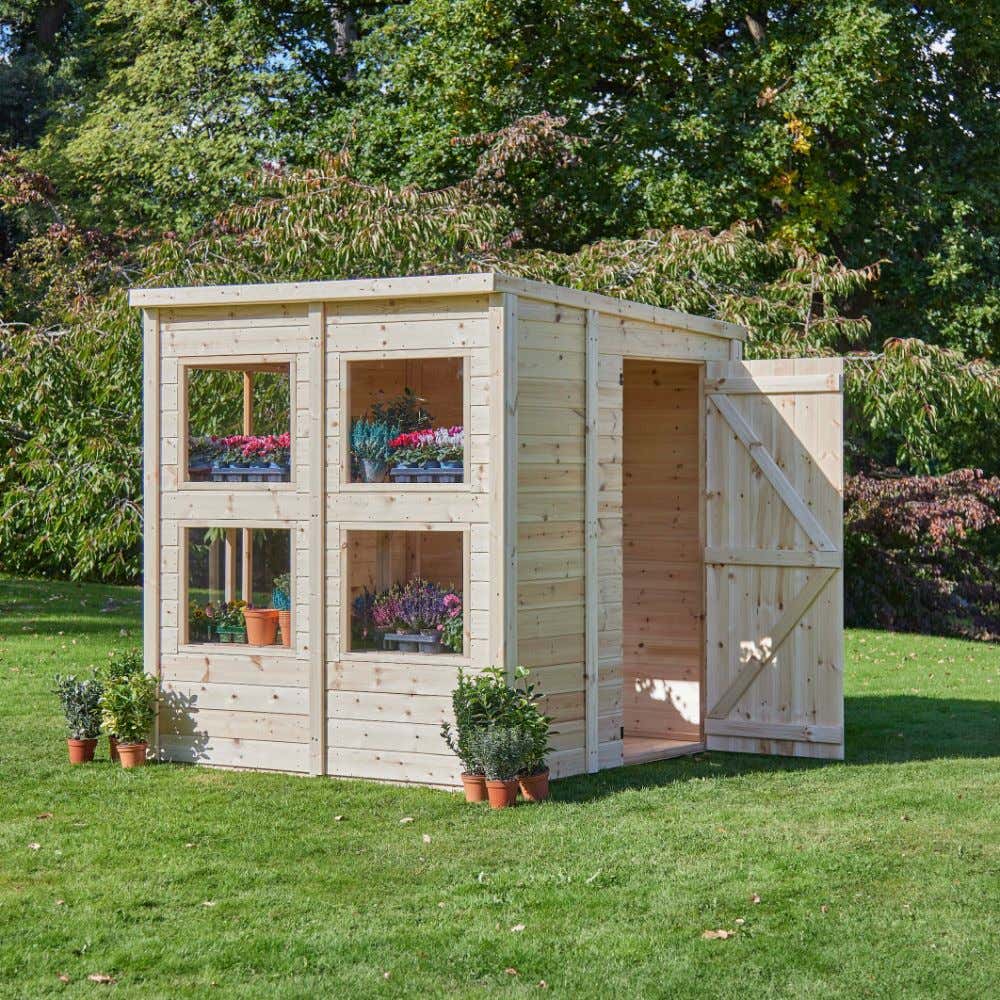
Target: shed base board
(643, 749)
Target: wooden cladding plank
(261, 755)
(151, 494)
(376, 705)
(251, 698)
(395, 766)
(403, 737)
(316, 637)
(397, 678)
(773, 557)
(591, 544)
(210, 723)
(236, 669)
(775, 384)
(208, 506)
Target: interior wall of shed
(663, 579)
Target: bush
(128, 707)
(486, 702)
(81, 704)
(922, 553)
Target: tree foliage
(70, 458)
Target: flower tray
(251, 473)
(406, 642)
(419, 474)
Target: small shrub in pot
(501, 752)
(128, 706)
(81, 704)
(121, 663)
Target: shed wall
(249, 708)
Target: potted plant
(199, 623)
(230, 623)
(385, 614)
(281, 600)
(261, 625)
(370, 446)
(81, 704)
(202, 452)
(253, 458)
(466, 705)
(128, 707)
(405, 412)
(450, 445)
(500, 752)
(419, 614)
(528, 717)
(120, 663)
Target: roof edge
(427, 286)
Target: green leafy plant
(487, 701)
(370, 442)
(404, 412)
(453, 632)
(121, 663)
(81, 704)
(229, 616)
(128, 707)
(281, 592)
(500, 753)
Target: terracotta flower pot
(81, 751)
(113, 748)
(475, 787)
(501, 793)
(132, 754)
(262, 626)
(535, 787)
(285, 624)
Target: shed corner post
(591, 541)
(151, 568)
(317, 536)
(503, 315)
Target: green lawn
(876, 878)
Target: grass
(876, 878)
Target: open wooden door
(773, 558)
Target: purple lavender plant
(422, 606)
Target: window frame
(184, 644)
(347, 358)
(238, 363)
(443, 659)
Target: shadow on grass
(889, 729)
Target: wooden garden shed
(649, 523)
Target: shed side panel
(248, 707)
(551, 364)
(384, 709)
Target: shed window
(230, 570)
(239, 423)
(407, 421)
(406, 591)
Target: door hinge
(623, 732)
(621, 378)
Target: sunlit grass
(876, 878)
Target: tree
(862, 129)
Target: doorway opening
(662, 553)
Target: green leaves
(128, 707)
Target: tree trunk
(757, 23)
(345, 34)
